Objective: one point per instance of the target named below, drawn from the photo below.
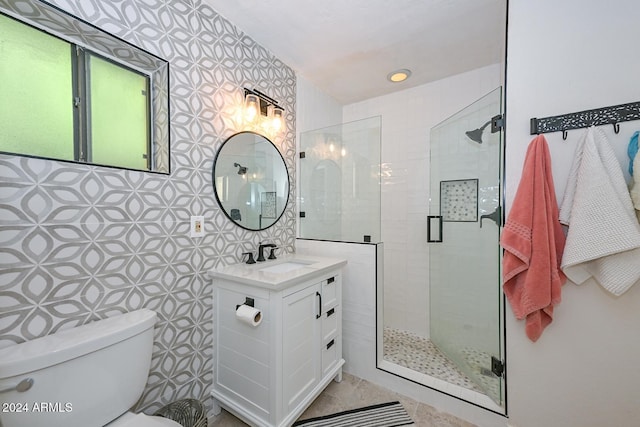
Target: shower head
(476, 134)
(241, 169)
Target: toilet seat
(141, 420)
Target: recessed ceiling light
(398, 75)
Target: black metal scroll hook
(616, 128)
(565, 134)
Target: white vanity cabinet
(268, 374)
(311, 345)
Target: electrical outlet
(197, 226)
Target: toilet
(88, 376)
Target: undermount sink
(288, 270)
(285, 267)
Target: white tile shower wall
(319, 109)
(360, 214)
(407, 117)
(79, 242)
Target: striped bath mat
(390, 414)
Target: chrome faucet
(261, 251)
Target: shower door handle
(434, 237)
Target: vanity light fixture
(399, 75)
(260, 107)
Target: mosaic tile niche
(80, 243)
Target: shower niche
(440, 318)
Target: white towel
(603, 241)
(572, 181)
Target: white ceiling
(347, 47)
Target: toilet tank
(82, 377)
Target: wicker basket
(187, 412)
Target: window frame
(83, 141)
(86, 39)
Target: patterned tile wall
(79, 243)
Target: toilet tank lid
(70, 343)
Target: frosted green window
(118, 115)
(36, 113)
(92, 98)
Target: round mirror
(250, 181)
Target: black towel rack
(597, 117)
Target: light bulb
(251, 107)
(277, 119)
(399, 75)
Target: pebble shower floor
(421, 355)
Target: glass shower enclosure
(340, 182)
(458, 345)
(464, 252)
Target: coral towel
(533, 242)
(603, 242)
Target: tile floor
(421, 355)
(354, 392)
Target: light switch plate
(197, 226)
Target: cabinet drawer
(330, 324)
(330, 292)
(330, 354)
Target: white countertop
(255, 274)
